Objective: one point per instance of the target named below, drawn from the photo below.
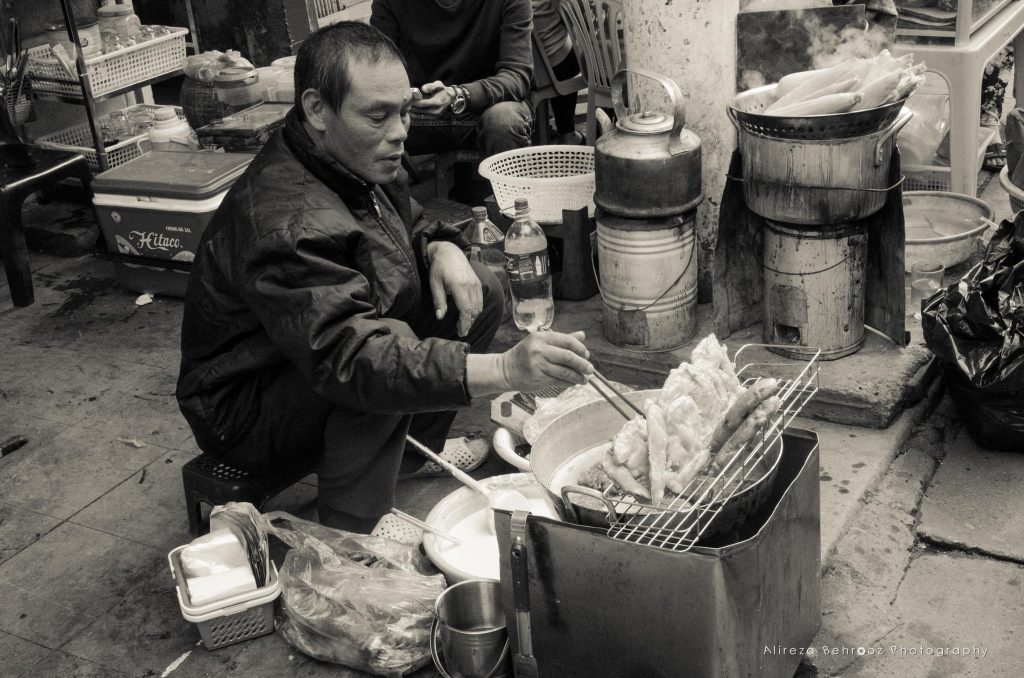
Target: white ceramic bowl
(462, 503)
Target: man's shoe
(465, 453)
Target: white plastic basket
(553, 178)
(234, 619)
(937, 177)
(109, 72)
(78, 139)
(1015, 192)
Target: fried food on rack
(701, 408)
(626, 461)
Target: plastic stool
(208, 480)
(443, 165)
(962, 67)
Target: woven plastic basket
(78, 139)
(553, 178)
(1015, 192)
(230, 621)
(109, 72)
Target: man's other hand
(451, 274)
(436, 100)
(547, 359)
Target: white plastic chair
(962, 67)
(596, 28)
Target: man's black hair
(326, 57)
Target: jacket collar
(328, 170)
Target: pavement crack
(936, 545)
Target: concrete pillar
(694, 43)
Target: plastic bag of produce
(976, 328)
(352, 599)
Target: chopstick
(611, 401)
(426, 528)
(459, 474)
(618, 393)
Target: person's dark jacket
(304, 263)
(483, 45)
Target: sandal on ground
(995, 157)
(392, 527)
(465, 453)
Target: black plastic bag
(976, 328)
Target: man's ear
(315, 108)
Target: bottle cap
(522, 204)
(164, 113)
(479, 213)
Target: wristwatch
(460, 101)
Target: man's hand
(437, 99)
(451, 274)
(546, 359)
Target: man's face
(367, 134)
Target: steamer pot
(572, 441)
(817, 181)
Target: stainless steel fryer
(581, 603)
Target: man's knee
(493, 295)
(505, 126)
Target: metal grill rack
(678, 523)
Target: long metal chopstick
(426, 527)
(618, 393)
(611, 400)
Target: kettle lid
(648, 122)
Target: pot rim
(988, 215)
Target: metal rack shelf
(87, 98)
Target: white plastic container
(232, 620)
(238, 86)
(171, 133)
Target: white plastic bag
(353, 599)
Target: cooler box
(154, 209)
(245, 131)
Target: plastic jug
(171, 133)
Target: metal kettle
(648, 166)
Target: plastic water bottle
(529, 272)
(486, 243)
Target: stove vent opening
(787, 334)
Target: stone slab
(975, 502)
(61, 664)
(852, 462)
(143, 633)
(20, 529)
(950, 600)
(863, 575)
(148, 509)
(18, 653)
(62, 583)
(869, 388)
(72, 470)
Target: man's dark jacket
(307, 265)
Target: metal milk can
(648, 166)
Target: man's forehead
(375, 80)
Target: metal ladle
(510, 500)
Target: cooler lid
(189, 175)
(249, 122)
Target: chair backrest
(545, 83)
(597, 34)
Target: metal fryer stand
(599, 606)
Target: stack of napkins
(216, 567)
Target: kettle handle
(675, 96)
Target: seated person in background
(553, 37)
(323, 316)
(472, 61)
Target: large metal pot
(817, 181)
(576, 441)
(648, 166)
